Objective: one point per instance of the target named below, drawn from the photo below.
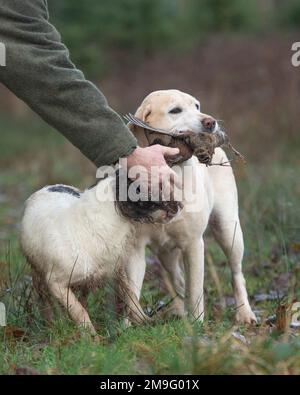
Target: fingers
(165, 172)
(167, 151)
(152, 170)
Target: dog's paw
(174, 310)
(245, 315)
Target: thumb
(167, 151)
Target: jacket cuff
(113, 158)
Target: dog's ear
(142, 113)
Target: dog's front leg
(135, 267)
(193, 258)
(130, 284)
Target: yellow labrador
(216, 204)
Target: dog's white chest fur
(198, 202)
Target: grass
(31, 157)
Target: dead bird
(201, 144)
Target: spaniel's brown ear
(142, 113)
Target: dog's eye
(175, 110)
(197, 106)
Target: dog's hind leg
(229, 235)
(173, 278)
(68, 300)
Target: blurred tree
(289, 13)
(95, 28)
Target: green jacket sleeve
(38, 70)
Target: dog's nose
(208, 124)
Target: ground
(31, 157)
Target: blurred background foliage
(234, 55)
(95, 29)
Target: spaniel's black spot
(64, 189)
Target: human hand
(149, 158)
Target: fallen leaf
(12, 333)
(294, 248)
(26, 371)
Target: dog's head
(130, 203)
(173, 111)
(144, 210)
